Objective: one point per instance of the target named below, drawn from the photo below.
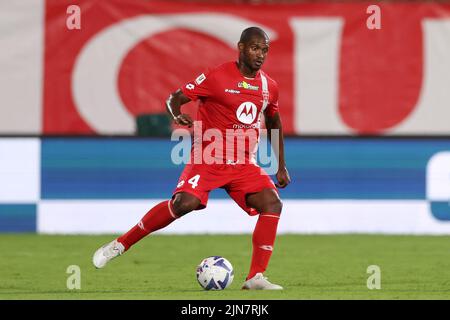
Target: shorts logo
(180, 184)
(200, 79)
(190, 86)
(247, 86)
(246, 112)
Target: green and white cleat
(106, 253)
(259, 282)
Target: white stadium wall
(225, 217)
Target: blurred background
(85, 143)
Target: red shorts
(238, 180)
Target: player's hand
(184, 120)
(283, 178)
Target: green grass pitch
(163, 267)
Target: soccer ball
(215, 273)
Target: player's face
(254, 52)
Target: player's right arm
(198, 88)
(173, 106)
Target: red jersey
(228, 119)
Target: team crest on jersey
(200, 79)
(246, 112)
(247, 86)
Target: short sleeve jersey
(230, 109)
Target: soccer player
(233, 96)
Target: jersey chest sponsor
(232, 99)
(247, 112)
(244, 100)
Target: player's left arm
(273, 122)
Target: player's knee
(274, 205)
(184, 204)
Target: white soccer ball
(215, 273)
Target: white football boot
(106, 253)
(259, 282)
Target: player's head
(253, 47)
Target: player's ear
(240, 46)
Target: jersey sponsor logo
(256, 125)
(200, 79)
(190, 86)
(232, 91)
(247, 86)
(246, 112)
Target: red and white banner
(336, 74)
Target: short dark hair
(249, 33)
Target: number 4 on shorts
(194, 181)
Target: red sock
(157, 218)
(263, 241)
